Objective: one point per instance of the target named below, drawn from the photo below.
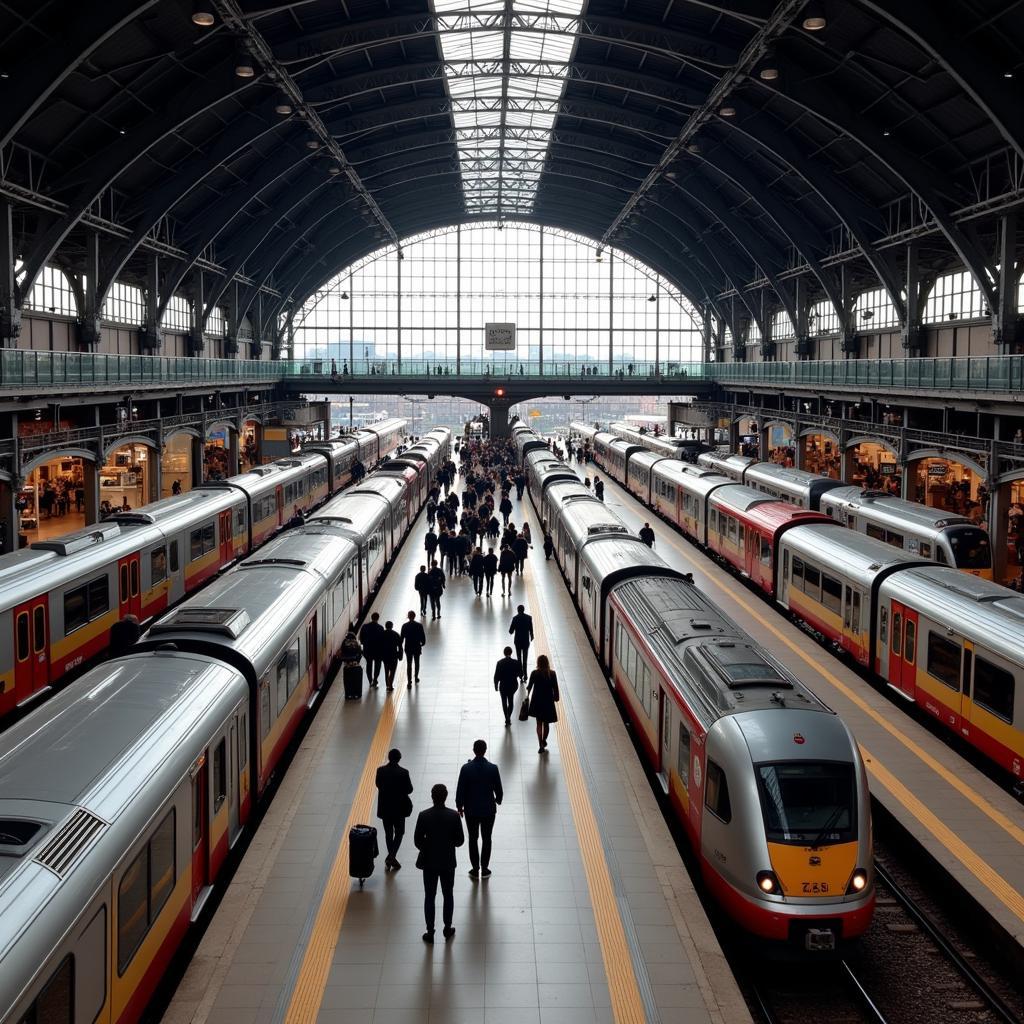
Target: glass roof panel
(503, 125)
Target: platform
(971, 826)
(589, 915)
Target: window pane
(993, 688)
(161, 866)
(944, 660)
(132, 910)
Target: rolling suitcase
(352, 675)
(362, 851)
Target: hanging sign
(500, 337)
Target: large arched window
(571, 303)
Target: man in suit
(437, 585)
(506, 682)
(521, 631)
(438, 834)
(477, 797)
(414, 639)
(393, 805)
(371, 636)
(390, 653)
(422, 585)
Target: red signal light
(499, 392)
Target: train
(59, 598)
(944, 639)
(765, 778)
(944, 538)
(669, 447)
(124, 794)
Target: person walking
(393, 805)
(520, 548)
(437, 836)
(437, 585)
(542, 690)
(505, 508)
(599, 489)
(506, 566)
(493, 526)
(430, 543)
(371, 637)
(477, 797)
(507, 673)
(124, 635)
(521, 630)
(490, 569)
(414, 639)
(422, 586)
(390, 653)
(647, 535)
(549, 547)
(476, 571)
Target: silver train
(59, 598)
(766, 779)
(123, 795)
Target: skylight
(506, 71)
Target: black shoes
(428, 937)
(449, 933)
(486, 872)
(474, 872)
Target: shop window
(716, 793)
(994, 689)
(943, 660)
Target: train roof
(672, 469)
(583, 429)
(715, 460)
(976, 608)
(770, 512)
(854, 554)
(712, 663)
(589, 519)
(356, 509)
(693, 483)
(615, 557)
(740, 498)
(179, 509)
(893, 510)
(91, 767)
(564, 490)
(646, 458)
(316, 547)
(785, 475)
(261, 479)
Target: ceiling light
(202, 13)
(5, 74)
(120, 131)
(1006, 74)
(334, 169)
(344, 296)
(652, 298)
(769, 69)
(283, 109)
(693, 148)
(727, 111)
(243, 64)
(886, 133)
(312, 144)
(814, 18)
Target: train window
(831, 593)
(883, 625)
(239, 519)
(943, 659)
(766, 551)
(197, 810)
(21, 633)
(713, 520)
(683, 759)
(265, 707)
(85, 603)
(895, 539)
(966, 687)
(848, 609)
(91, 968)
(145, 887)
(38, 628)
(812, 582)
(798, 573)
(856, 612)
(220, 775)
(209, 538)
(732, 528)
(941, 556)
(875, 531)
(716, 793)
(55, 1004)
(195, 545)
(98, 596)
(293, 667)
(807, 801)
(897, 634)
(243, 742)
(133, 571)
(157, 566)
(122, 590)
(910, 642)
(926, 550)
(173, 556)
(993, 689)
(282, 684)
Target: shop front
(51, 501)
(946, 484)
(821, 454)
(124, 479)
(176, 464)
(874, 467)
(779, 444)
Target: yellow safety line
(992, 880)
(308, 992)
(984, 872)
(627, 1004)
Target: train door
(200, 830)
(226, 544)
(903, 649)
(31, 660)
(665, 742)
(234, 796)
(279, 500)
(312, 647)
(129, 593)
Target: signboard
(887, 468)
(937, 470)
(535, 413)
(500, 337)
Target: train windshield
(971, 549)
(808, 802)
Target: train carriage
(542, 470)
(732, 466)
(680, 493)
(943, 537)
(117, 796)
(830, 582)
(578, 520)
(612, 454)
(953, 644)
(640, 474)
(365, 517)
(668, 447)
(796, 486)
(556, 492)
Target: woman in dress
(542, 690)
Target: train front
(793, 863)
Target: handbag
(524, 709)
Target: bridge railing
(498, 369)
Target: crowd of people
(471, 532)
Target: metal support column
(398, 260)
(10, 311)
(540, 323)
(196, 336)
(611, 314)
(911, 334)
(657, 329)
(458, 302)
(151, 338)
(89, 322)
(1004, 317)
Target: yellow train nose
(804, 871)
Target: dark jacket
(522, 627)
(476, 565)
(647, 536)
(422, 583)
(124, 635)
(437, 581)
(390, 646)
(413, 637)
(507, 562)
(350, 651)
(506, 675)
(506, 505)
(438, 834)
(479, 790)
(393, 789)
(521, 546)
(370, 637)
(430, 542)
(490, 564)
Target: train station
(511, 512)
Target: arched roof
(653, 125)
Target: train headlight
(858, 882)
(768, 883)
